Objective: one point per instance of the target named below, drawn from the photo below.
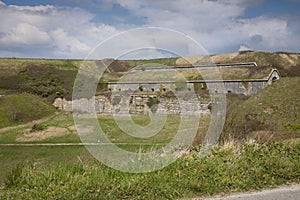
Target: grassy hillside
(287, 63)
(45, 78)
(272, 114)
(49, 78)
(231, 168)
(20, 108)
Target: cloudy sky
(72, 28)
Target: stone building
(247, 86)
(136, 97)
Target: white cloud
(58, 31)
(244, 48)
(68, 44)
(2, 3)
(25, 34)
(219, 25)
(32, 8)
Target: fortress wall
(246, 88)
(136, 104)
(236, 87)
(137, 101)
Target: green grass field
(39, 156)
(64, 172)
(13, 155)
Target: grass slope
(40, 156)
(20, 108)
(45, 78)
(272, 114)
(233, 168)
(288, 64)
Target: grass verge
(231, 168)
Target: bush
(37, 127)
(152, 103)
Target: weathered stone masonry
(136, 104)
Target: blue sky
(72, 28)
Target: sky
(73, 28)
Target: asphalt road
(282, 193)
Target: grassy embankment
(271, 115)
(231, 168)
(21, 108)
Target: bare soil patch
(42, 135)
(221, 58)
(290, 59)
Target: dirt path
(10, 128)
(50, 132)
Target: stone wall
(245, 88)
(236, 87)
(136, 104)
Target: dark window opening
(141, 88)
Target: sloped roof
(218, 72)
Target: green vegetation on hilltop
(232, 168)
(45, 78)
(20, 108)
(49, 78)
(15, 64)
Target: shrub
(152, 103)
(37, 127)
